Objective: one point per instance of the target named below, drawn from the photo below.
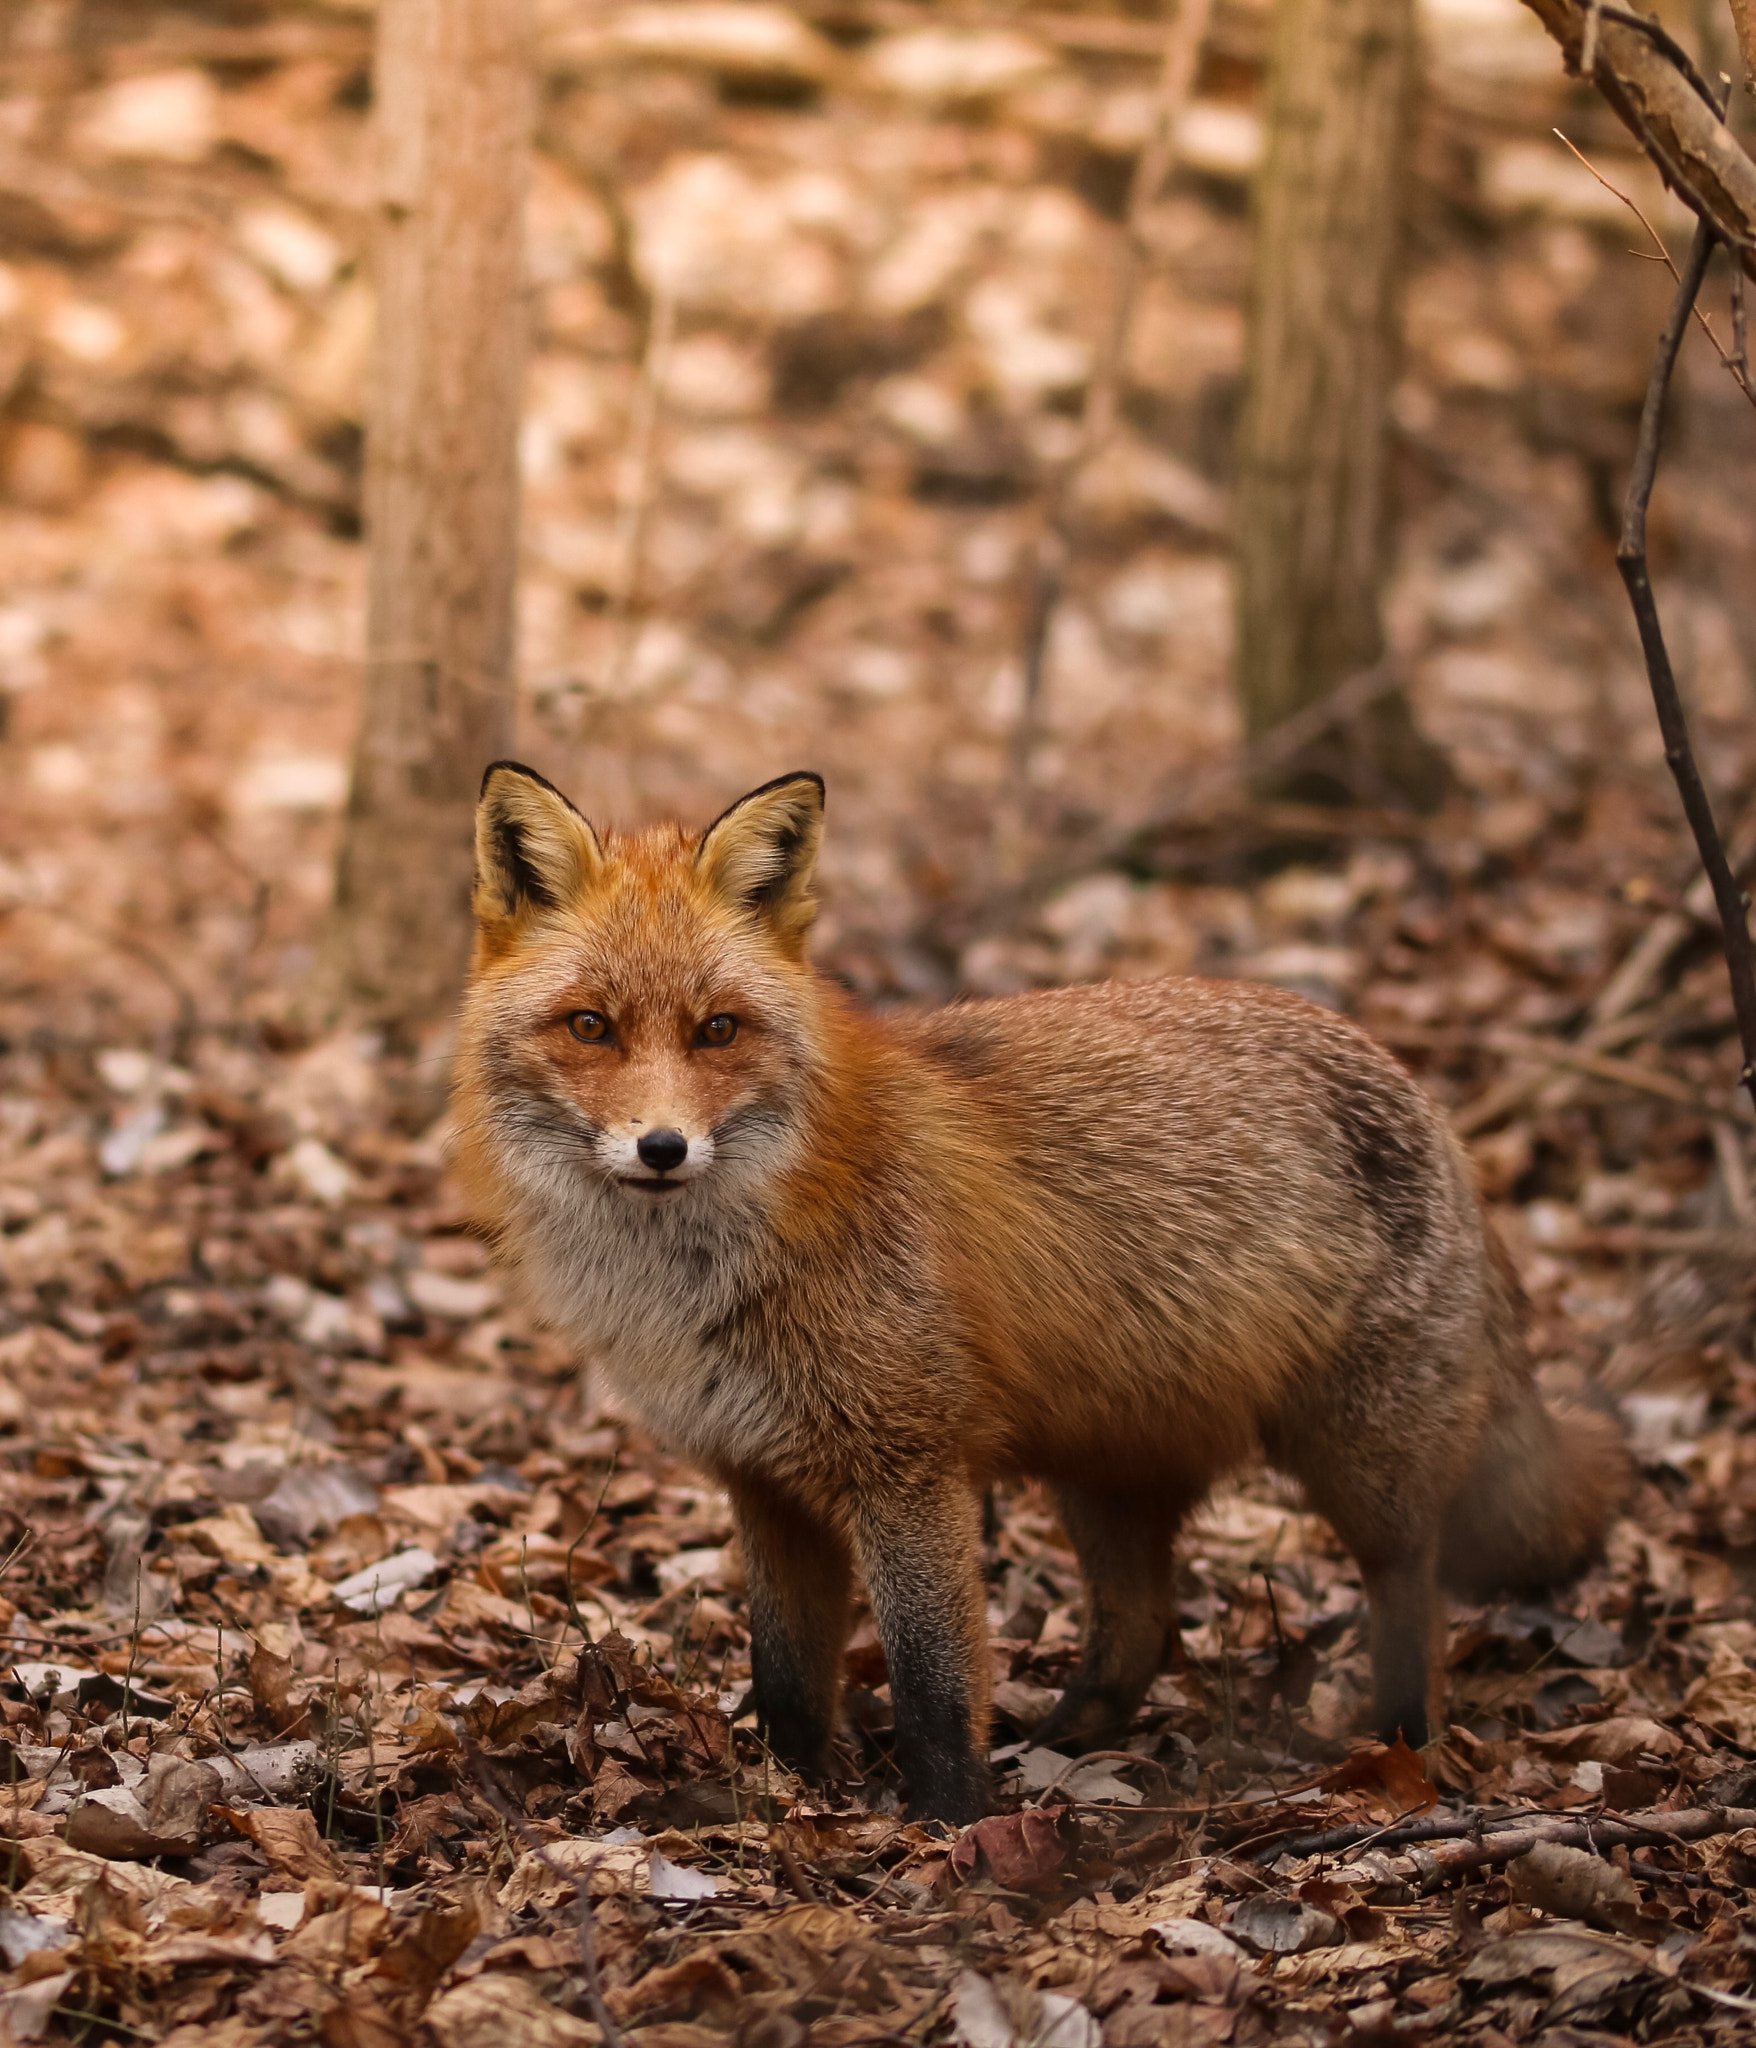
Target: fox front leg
(919, 1545)
(799, 1573)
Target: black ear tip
(508, 768)
(809, 775)
(529, 774)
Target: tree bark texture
(1311, 520)
(1702, 160)
(453, 89)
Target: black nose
(661, 1150)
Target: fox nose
(661, 1150)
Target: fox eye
(590, 1027)
(720, 1030)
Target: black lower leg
(792, 1712)
(944, 1777)
(799, 1572)
(919, 1543)
(1405, 1611)
(1124, 1546)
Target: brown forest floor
(354, 1646)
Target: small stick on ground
(1471, 1840)
(1601, 1834)
(133, 1650)
(794, 1872)
(573, 1613)
(1667, 701)
(1610, 1022)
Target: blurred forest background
(813, 309)
(823, 403)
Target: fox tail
(1547, 1477)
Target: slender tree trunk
(453, 103)
(1311, 508)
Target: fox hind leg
(1124, 1546)
(1384, 1501)
(1408, 1646)
(1398, 1556)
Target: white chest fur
(642, 1288)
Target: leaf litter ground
(367, 1679)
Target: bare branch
(1667, 702)
(1736, 359)
(1634, 65)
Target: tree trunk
(453, 106)
(1312, 529)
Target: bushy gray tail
(1546, 1479)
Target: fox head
(640, 1006)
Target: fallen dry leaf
(488, 2012)
(1573, 1884)
(288, 1837)
(1016, 1849)
(1393, 1776)
(1725, 1696)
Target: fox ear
(533, 849)
(762, 853)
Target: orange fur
(1115, 1237)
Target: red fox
(1119, 1238)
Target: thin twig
(1611, 1021)
(1276, 748)
(573, 1614)
(543, 1645)
(1734, 1174)
(1735, 359)
(1740, 330)
(9, 1560)
(1095, 1756)
(794, 1871)
(1667, 702)
(1356, 1834)
(1504, 1836)
(133, 1649)
(1715, 1996)
(1599, 1066)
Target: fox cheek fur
(1118, 1238)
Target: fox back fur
(1118, 1237)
